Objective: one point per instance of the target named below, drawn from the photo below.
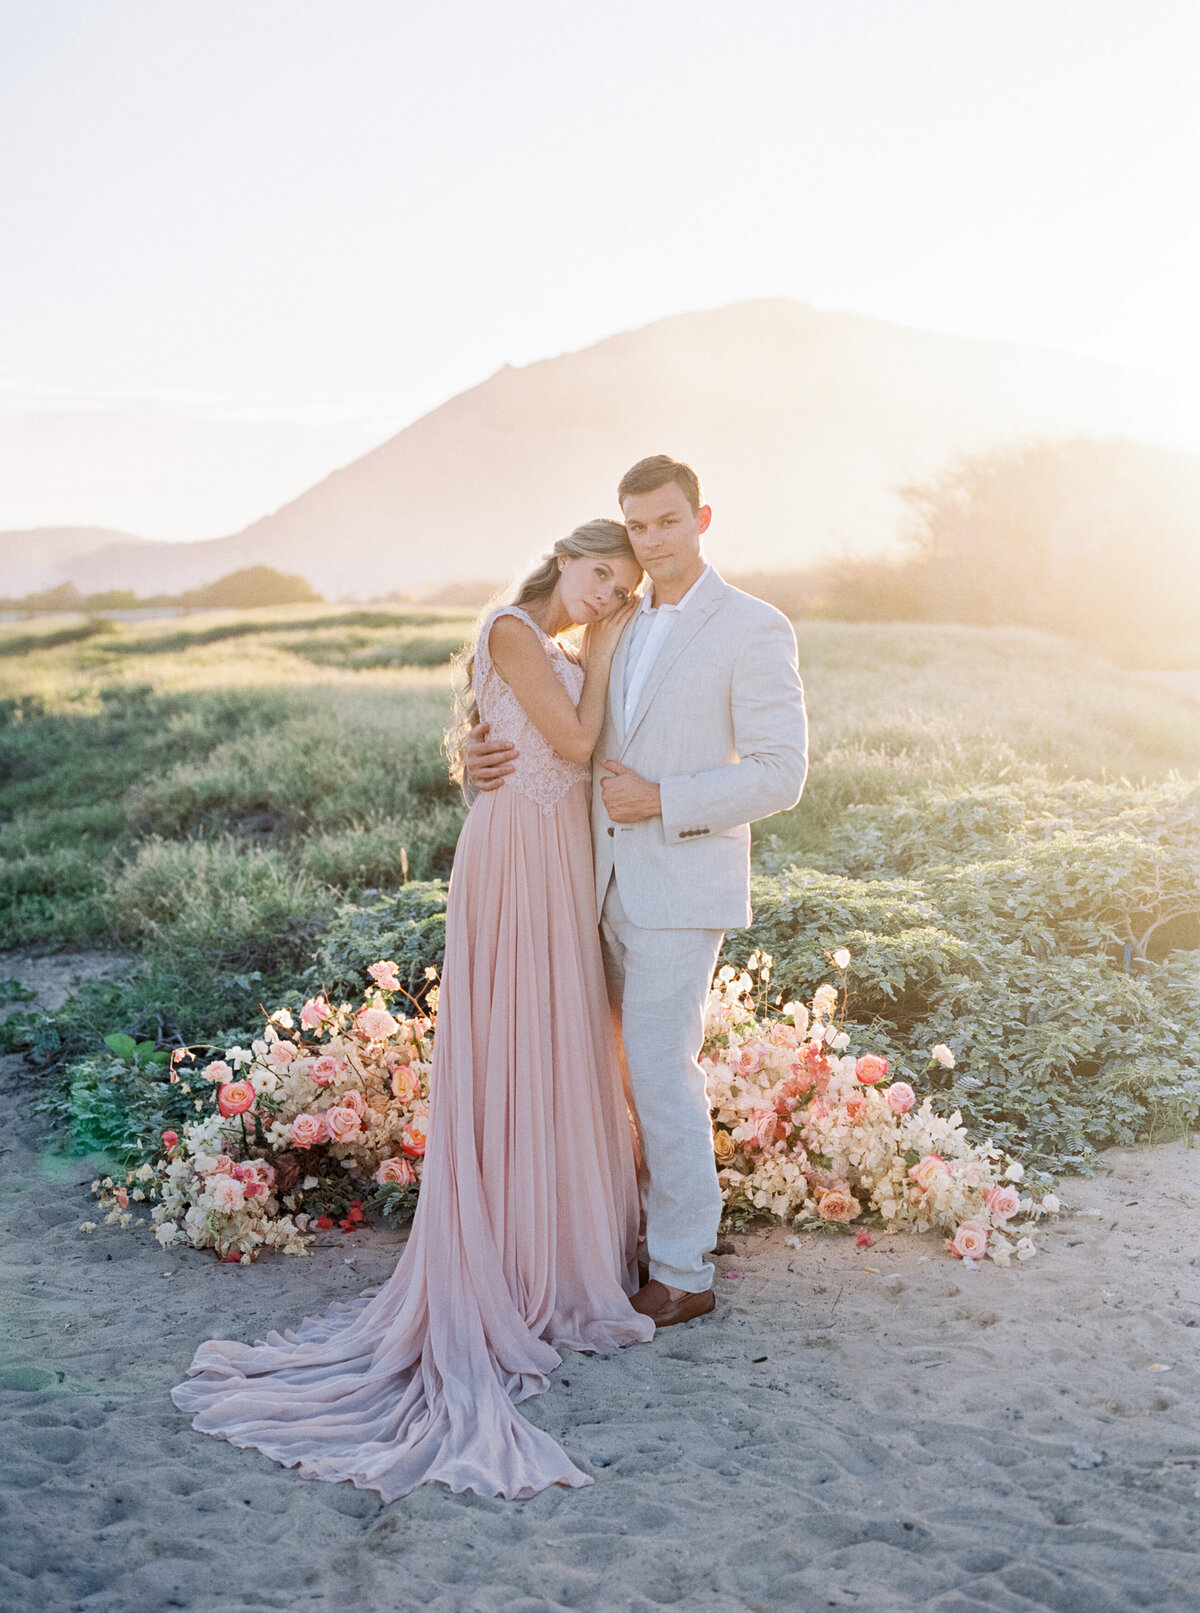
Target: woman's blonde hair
(600, 538)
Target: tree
(253, 586)
(1094, 537)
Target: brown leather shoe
(654, 1300)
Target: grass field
(988, 810)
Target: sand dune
(854, 1428)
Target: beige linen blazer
(721, 728)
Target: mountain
(42, 557)
(801, 423)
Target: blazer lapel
(685, 629)
(616, 680)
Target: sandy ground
(875, 1429)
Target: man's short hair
(648, 475)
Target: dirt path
(875, 1429)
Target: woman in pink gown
(524, 1241)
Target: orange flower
(235, 1098)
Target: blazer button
(610, 828)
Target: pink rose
(257, 1172)
(745, 1062)
(235, 1098)
(1003, 1202)
(326, 1069)
(314, 1013)
(970, 1241)
(343, 1123)
(170, 1138)
(412, 1138)
(927, 1171)
(900, 1097)
(384, 975)
(222, 1165)
(227, 1195)
(819, 1109)
(354, 1100)
(308, 1130)
(782, 1035)
(765, 1125)
(838, 1205)
(396, 1170)
(404, 1084)
(282, 1054)
(870, 1069)
(375, 1024)
(942, 1055)
(218, 1071)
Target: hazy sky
(243, 240)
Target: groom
(704, 732)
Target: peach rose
(282, 1054)
(900, 1097)
(970, 1241)
(384, 975)
(326, 1069)
(765, 1125)
(314, 1013)
(1003, 1202)
(343, 1123)
(854, 1106)
(927, 1171)
(218, 1071)
(308, 1130)
(942, 1055)
(412, 1138)
(235, 1098)
(745, 1061)
(724, 1146)
(870, 1069)
(838, 1205)
(396, 1170)
(404, 1083)
(227, 1195)
(354, 1100)
(375, 1023)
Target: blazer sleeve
(770, 734)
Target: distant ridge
(802, 424)
(41, 557)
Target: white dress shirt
(650, 628)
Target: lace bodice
(541, 773)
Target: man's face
(665, 532)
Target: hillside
(801, 422)
(43, 556)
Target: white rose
(1050, 1203)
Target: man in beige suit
(705, 731)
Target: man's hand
(628, 797)
(488, 761)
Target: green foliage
(119, 1108)
(408, 926)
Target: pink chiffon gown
(524, 1241)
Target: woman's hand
(600, 639)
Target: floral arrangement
(805, 1131)
(299, 1125)
(319, 1112)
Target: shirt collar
(648, 597)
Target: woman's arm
(518, 656)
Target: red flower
(170, 1138)
(324, 1222)
(864, 1239)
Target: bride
(524, 1241)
